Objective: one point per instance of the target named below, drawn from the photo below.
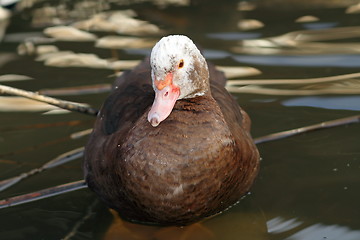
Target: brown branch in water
(59, 160)
(271, 91)
(75, 107)
(78, 224)
(81, 134)
(45, 193)
(297, 131)
(292, 81)
(57, 190)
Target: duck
(170, 145)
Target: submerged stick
(57, 190)
(45, 193)
(292, 81)
(291, 92)
(80, 222)
(297, 131)
(72, 106)
(59, 160)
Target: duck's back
(195, 164)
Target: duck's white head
(178, 71)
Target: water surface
(308, 186)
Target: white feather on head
(165, 57)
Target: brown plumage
(199, 161)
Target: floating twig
(78, 224)
(297, 131)
(301, 92)
(80, 134)
(61, 159)
(72, 106)
(292, 81)
(45, 193)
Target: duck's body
(198, 161)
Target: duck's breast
(183, 170)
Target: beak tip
(154, 122)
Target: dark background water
(308, 186)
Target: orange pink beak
(166, 95)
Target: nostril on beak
(154, 121)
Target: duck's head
(178, 71)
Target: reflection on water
(321, 25)
(345, 103)
(308, 185)
(321, 231)
(278, 225)
(234, 35)
(316, 231)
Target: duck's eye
(181, 63)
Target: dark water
(308, 186)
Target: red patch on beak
(166, 95)
(167, 81)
